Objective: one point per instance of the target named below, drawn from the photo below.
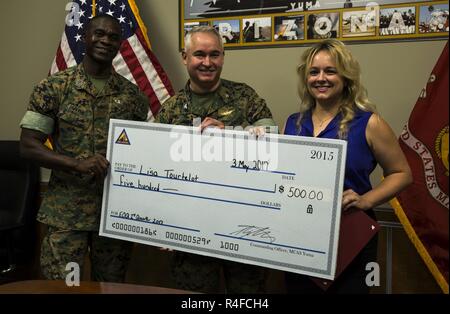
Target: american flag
(135, 61)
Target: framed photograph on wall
(323, 25)
(291, 27)
(353, 27)
(187, 26)
(257, 30)
(278, 23)
(433, 19)
(230, 30)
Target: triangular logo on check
(123, 138)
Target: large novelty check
(273, 201)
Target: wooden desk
(86, 287)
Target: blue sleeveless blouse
(360, 160)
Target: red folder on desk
(357, 228)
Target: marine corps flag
(423, 207)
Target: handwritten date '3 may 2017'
(259, 165)
(263, 165)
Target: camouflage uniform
(236, 104)
(72, 204)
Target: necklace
(321, 122)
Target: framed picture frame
(280, 23)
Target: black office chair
(19, 186)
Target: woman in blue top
(334, 104)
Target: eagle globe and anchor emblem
(441, 142)
(441, 147)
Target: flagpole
(135, 10)
(434, 270)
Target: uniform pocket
(120, 108)
(74, 127)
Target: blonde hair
(354, 95)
